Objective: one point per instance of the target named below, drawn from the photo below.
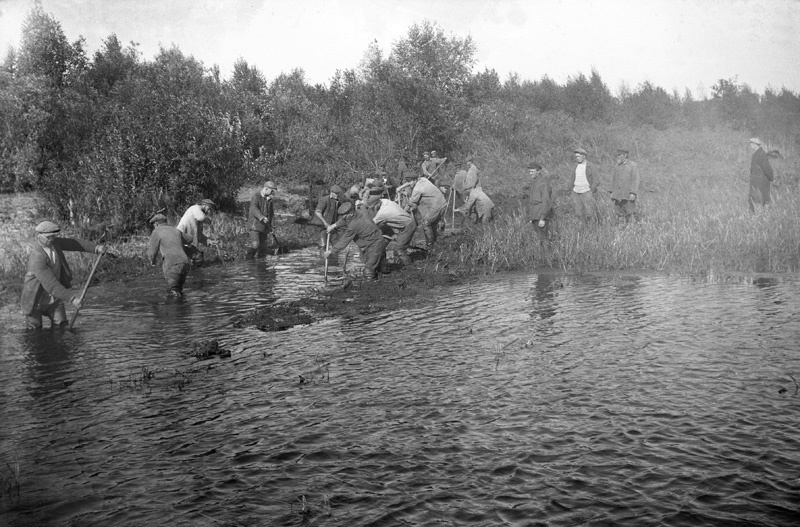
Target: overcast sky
(671, 43)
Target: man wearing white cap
(169, 242)
(48, 280)
(192, 224)
(761, 175)
(259, 219)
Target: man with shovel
(47, 283)
(368, 237)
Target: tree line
(112, 137)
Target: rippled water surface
(520, 400)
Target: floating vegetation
(277, 317)
(203, 350)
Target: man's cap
(344, 208)
(409, 175)
(156, 218)
(376, 190)
(468, 159)
(426, 153)
(622, 151)
(755, 141)
(336, 189)
(354, 190)
(271, 184)
(433, 152)
(372, 199)
(48, 227)
(534, 166)
(207, 202)
(580, 151)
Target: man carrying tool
(192, 223)
(169, 242)
(431, 165)
(48, 277)
(325, 214)
(428, 201)
(394, 221)
(368, 237)
(481, 203)
(259, 219)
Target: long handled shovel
(327, 247)
(85, 288)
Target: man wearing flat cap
(359, 228)
(584, 185)
(761, 175)
(259, 219)
(46, 287)
(325, 214)
(192, 223)
(169, 242)
(625, 187)
(540, 203)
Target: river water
(519, 400)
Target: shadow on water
(524, 399)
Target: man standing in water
(259, 219)
(169, 242)
(325, 214)
(192, 223)
(48, 279)
(584, 185)
(625, 187)
(368, 237)
(761, 175)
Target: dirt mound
(277, 317)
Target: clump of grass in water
(10, 481)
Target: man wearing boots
(259, 220)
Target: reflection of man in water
(169, 242)
(47, 282)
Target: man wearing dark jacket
(761, 175)
(259, 219)
(540, 202)
(368, 237)
(169, 242)
(48, 280)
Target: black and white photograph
(367, 263)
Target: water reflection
(528, 399)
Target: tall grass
(694, 218)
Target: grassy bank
(694, 222)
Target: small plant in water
(10, 479)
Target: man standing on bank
(259, 219)
(48, 279)
(169, 242)
(584, 186)
(428, 201)
(540, 203)
(625, 187)
(761, 175)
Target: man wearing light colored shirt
(394, 221)
(584, 185)
(430, 204)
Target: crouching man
(394, 221)
(360, 228)
(169, 242)
(47, 283)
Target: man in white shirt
(394, 221)
(584, 186)
(192, 224)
